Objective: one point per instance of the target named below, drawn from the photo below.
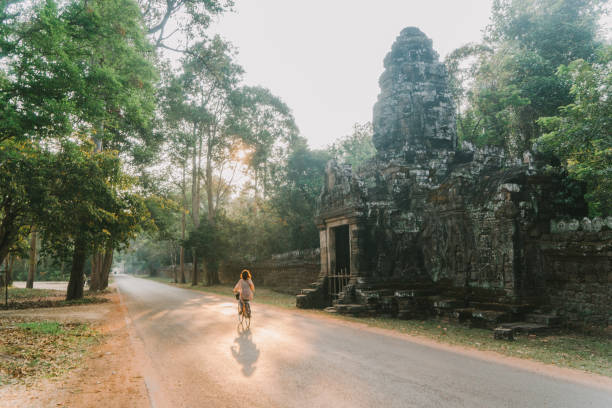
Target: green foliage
(85, 66)
(147, 255)
(559, 31)
(581, 135)
(295, 197)
(210, 241)
(356, 148)
(510, 80)
(255, 229)
(164, 213)
(77, 92)
(265, 127)
(89, 199)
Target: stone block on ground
(500, 333)
(547, 320)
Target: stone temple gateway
(428, 228)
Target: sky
(324, 57)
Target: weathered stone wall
(285, 273)
(574, 264)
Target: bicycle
(244, 319)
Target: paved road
(195, 357)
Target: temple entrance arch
(339, 252)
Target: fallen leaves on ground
(19, 298)
(43, 348)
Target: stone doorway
(340, 271)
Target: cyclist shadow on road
(245, 352)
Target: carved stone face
(330, 175)
(414, 110)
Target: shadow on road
(245, 352)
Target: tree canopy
(526, 87)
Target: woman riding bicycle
(244, 290)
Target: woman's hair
(245, 274)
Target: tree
(356, 148)
(33, 259)
(73, 73)
(199, 100)
(209, 241)
(165, 216)
(195, 17)
(514, 70)
(90, 205)
(23, 189)
(295, 196)
(267, 129)
(581, 134)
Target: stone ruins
(429, 228)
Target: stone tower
(414, 112)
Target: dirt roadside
(109, 374)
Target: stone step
(412, 293)
(353, 309)
(505, 307)
(488, 315)
(501, 333)
(387, 305)
(330, 309)
(446, 303)
(548, 320)
(524, 327)
(479, 317)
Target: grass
(564, 349)
(20, 298)
(41, 327)
(31, 349)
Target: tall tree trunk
(182, 264)
(174, 272)
(79, 256)
(107, 263)
(4, 277)
(194, 274)
(8, 270)
(182, 253)
(209, 185)
(94, 277)
(195, 210)
(265, 181)
(11, 263)
(32, 261)
(182, 261)
(195, 183)
(195, 205)
(212, 273)
(9, 228)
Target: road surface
(193, 356)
